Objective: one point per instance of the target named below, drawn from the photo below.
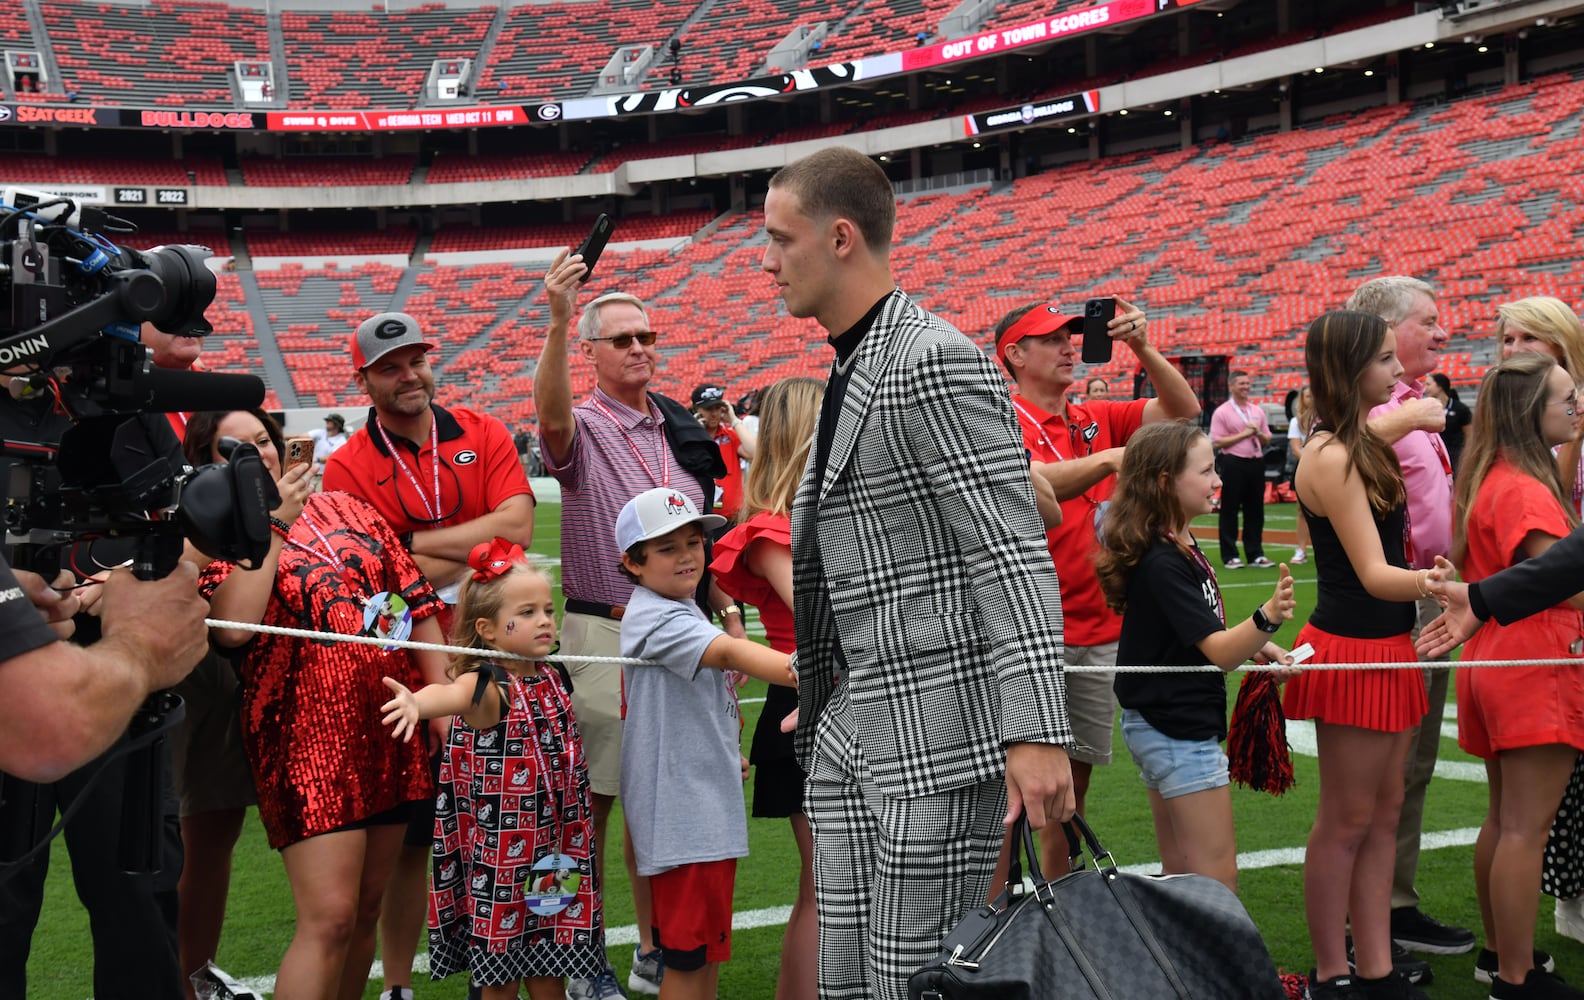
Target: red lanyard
(665, 466)
(327, 553)
(434, 452)
(1204, 564)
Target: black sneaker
(1538, 985)
(1335, 988)
(1417, 932)
(1415, 970)
(1486, 964)
(1390, 987)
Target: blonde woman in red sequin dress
(333, 789)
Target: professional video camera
(71, 306)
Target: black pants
(1242, 490)
(132, 918)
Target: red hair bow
(489, 560)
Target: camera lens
(189, 288)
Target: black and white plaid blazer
(922, 553)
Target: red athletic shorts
(692, 907)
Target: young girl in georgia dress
(514, 897)
(1153, 573)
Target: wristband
(406, 540)
(728, 610)
(280, 527)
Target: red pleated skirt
(1386, 700)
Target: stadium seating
(349, 59)
(113, 170)
(733, 40)
(1232, 248)
(312, 243)
(629, 229)
(556, 50)
(167, 52)
(316, 171)
(459, 167)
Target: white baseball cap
(657, 512)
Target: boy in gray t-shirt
(681, 776)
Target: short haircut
(838, 182)
(1391, 298)
(1236, 374)
(589, 322)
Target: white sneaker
(1570, 918)
(1299, 556)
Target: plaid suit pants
(892, 876)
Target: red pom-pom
(1257, 750)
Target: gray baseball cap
(380, 334)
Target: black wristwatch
(1265, 624)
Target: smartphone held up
(594, 243)
(1097, 316)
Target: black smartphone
(594, 243)
(1096, 336)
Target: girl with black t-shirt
(1153, 573)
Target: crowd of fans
(902, 529)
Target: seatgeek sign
(647, 101)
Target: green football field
(1271, 834)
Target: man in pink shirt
(1412, 423)
(1240, 432)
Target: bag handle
(1024, 850)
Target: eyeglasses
(622, 341)
(1570, 401)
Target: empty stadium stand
(556, 50)
(1232, 247)
(168, 52)
(347, 59)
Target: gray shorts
(1091, 703)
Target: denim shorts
(1173, 767)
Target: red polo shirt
(1090, 427)
(477, 466)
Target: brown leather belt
(612, 611)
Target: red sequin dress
(511, 796)
(320, 756)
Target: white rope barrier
(368, 640)
(374, 640)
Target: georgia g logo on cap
(390, 329)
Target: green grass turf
(259, 920)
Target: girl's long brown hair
(1341, 345)
(788, 412)
(1512, 400)
(1145, 505)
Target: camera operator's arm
(63, 705)
(244, 595)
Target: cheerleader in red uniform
(1527, 723)
(1350, 489)
(753, 563)
(333, 790)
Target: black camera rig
(71, 307)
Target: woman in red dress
(1527, 723)
(753, 563)
(333, 788)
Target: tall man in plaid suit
(929, 629)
